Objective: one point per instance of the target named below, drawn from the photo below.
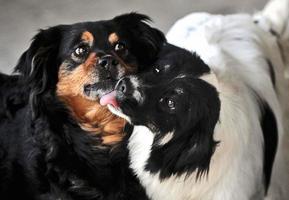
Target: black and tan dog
(56, 141)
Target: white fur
(136, 94)
(166, 138)
(118, 112)
(174, 188)
(236, 49)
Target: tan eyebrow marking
(113, 38)
(87, 37)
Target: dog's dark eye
(171, 104)
(120, 48)
(157, 70)
(160, 69)
(81, 51)
(168, 103)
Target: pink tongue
(109, 98)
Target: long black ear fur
(38, 66)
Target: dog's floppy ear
(202, 118)
(146, 40)
(38, 65)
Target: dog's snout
(107, 62)
(128, 89)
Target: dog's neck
(96, 119)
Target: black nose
(121, 86)
(124, 86)
(107, 62)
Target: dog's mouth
(110, 100)
(97, 90)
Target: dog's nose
(107, 62)
(121, 86)
(124, 86)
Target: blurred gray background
(20, 19)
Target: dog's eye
(171, 104)
(81, 51)
(120, 48)
(160, 69)
(168, 103)
(157, 70)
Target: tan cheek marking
(96, 119)
(71, 83)
(113, 38)
(112, 139)
(87, 37)
(91, 60)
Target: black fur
(270, 134)
(44, 154)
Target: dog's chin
(118, 112)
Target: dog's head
(178, 102)
(81, 62)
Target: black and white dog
(212, 127)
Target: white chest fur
(140, 144)
(173, 188)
